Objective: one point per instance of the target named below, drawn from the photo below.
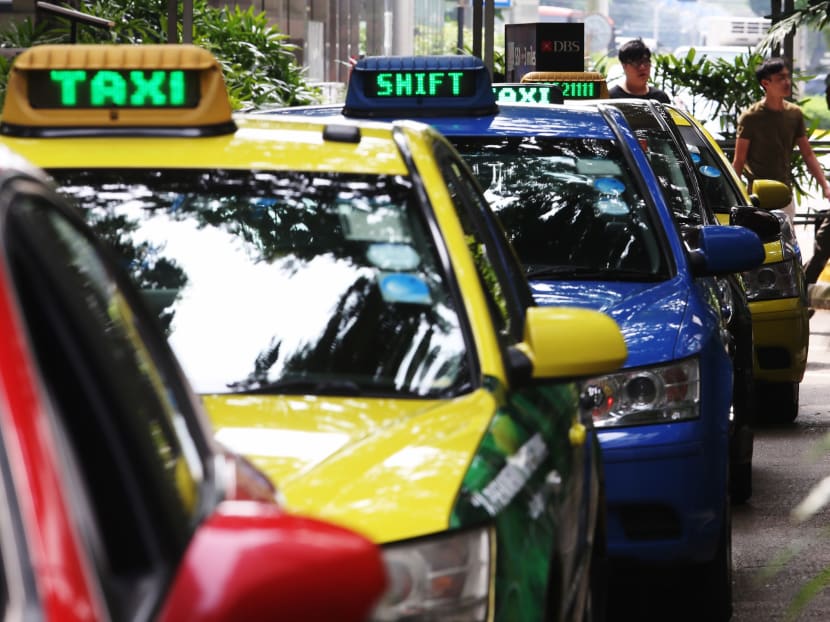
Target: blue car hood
(651, 316)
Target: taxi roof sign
(174, 89)
(574, 84)
(382, 86)
(528, 93)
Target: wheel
(740, 482)
(741, 449)
(779, 401)
(716, 578)
(597, 601)
(744, 407)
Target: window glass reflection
(570, 207)
(285, 282)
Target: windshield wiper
(588, 274)
(299, 386)
(541, 270)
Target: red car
(117, 505)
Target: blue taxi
(585, 213)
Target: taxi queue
(356, 321)
(353, 319)
(607, 209)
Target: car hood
(388, 468)
(653, 317)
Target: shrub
(726, 88)
(257, 60)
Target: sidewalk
(820, 294)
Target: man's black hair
(770, 67)
(633, 50)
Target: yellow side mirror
(768, 194)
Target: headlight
(773, 280)
(789, 239)
(444, 577)
(727, 302)
(660, 394)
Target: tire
(740, 482)
(779, 401)
(744, 405)
(597, 601)
(716, 578)
(742, 438)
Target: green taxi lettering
(522, 94)
(577, 89)
(107, 87)
(68, 81)
(116, 88)
(419, 83)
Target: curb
(818, 294)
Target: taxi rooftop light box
(79, 88)
(382, 86)
(125, 90)
(543, 46)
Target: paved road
(774, 557)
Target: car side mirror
(718, 250)
(768, 194)
(253, 561)
(567, 342)
(763, 223)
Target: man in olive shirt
(767, 133)
(770, 129)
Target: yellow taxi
(776, 291)
(347, 306)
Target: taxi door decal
(520, 478)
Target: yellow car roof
(167, 106)
(266, 144)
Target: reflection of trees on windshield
(278, 216)
(371, 339)
(565, 202)
(282, 278)
(145, 262)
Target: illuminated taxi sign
(574, 84)
(414, 83)
(116, 89)
(385, 86)
(511, 93)
(106, 88)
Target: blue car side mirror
(725, 249)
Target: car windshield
(571, 207)
(668, 161)
(714, 180)
(285, 282)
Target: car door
(550, 537)
(143, 508)
(131, 447)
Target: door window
(130, 442)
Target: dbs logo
(550, 46)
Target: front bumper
(782, 333)
(666, 492)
